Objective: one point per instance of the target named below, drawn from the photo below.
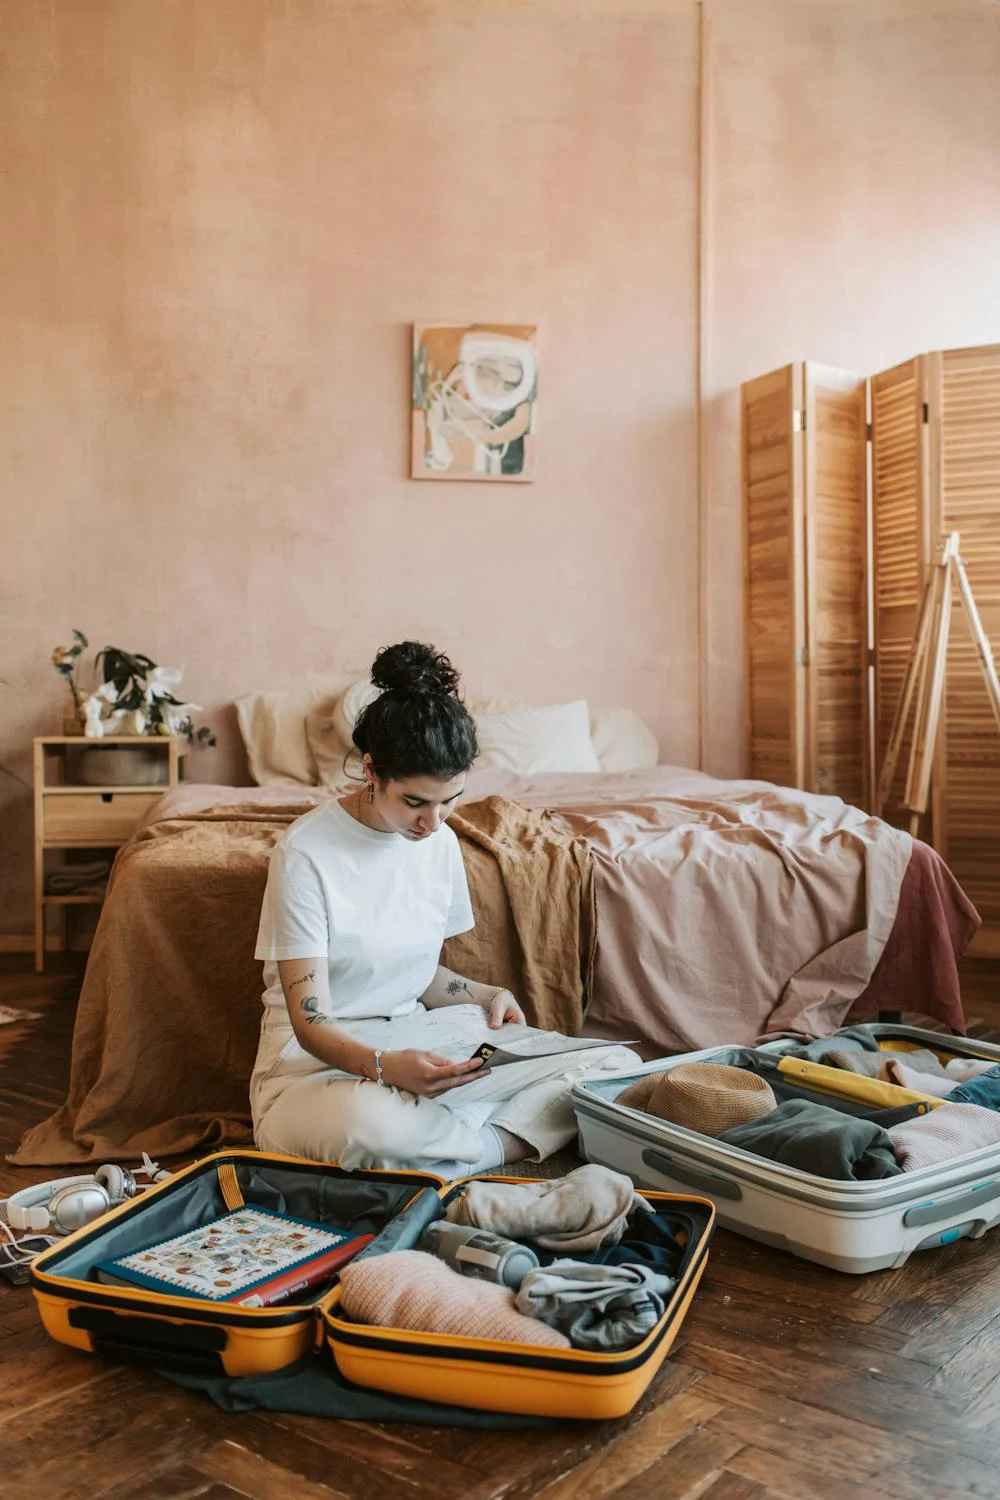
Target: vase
(72, 723)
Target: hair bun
(412, 668)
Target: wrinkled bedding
(662, 905)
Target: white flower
(161, 681)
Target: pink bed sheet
(784, 911)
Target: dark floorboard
(787, 1381)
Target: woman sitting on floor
(361, 894)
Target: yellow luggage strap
(229, 1186)
(847, 1085)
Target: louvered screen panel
(771, 485)
(965, 391)
(899, 527)
(836, 521)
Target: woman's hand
(503, 1007)
(424, 1072)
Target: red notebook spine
(301, 1278)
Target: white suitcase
(850, 1226)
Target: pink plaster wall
(221, 218)
(854, 190)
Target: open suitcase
(195, 1335)
(848, 1225)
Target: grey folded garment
(584, 1210)
(816, 1138)
(870, 1064)
(852, 1038)
(597, 1307)
(78, 880)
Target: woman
(361, 894)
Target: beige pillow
(622, 741)
(529, 741)
(273, 726)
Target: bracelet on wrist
(377, 1051)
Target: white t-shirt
(378, 905)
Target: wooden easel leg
(929, 710)
(979, 636)
(913, 677)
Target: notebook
(253, 1256)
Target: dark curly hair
(418, 725)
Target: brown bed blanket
(169, 1013)
(722, 910)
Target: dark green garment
(316, 1388)
(815, 1138)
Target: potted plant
(134, 697)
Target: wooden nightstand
(71, 814)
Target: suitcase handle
(943, 1208)
(709, 1182)
(171, 1346)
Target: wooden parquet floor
(787, 1382)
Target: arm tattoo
(306, 979)
(456, 986)
(311, 1011)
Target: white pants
(322, 1115)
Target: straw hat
(707, 1097)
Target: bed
(655, 903)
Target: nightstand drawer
(108, 817)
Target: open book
(253, 1256)
(533, 1043)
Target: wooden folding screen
(811, 566)
(902, 552)
(964, 440)
(804, 483)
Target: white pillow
(350, 705)
(622, 741)
(529, 740)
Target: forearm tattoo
(310, 1009)
(456, 986)
(306, 979)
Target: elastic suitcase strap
(229, 1186)
(845, 1085)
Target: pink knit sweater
(411, 1289)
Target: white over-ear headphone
(67, 1203)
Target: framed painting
(475, 401)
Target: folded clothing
(852, 1038)
(78, 880)
(872, 1064)
(587, 1208)
(944, 1133)
(815, 1138)
(414, 1290)
(597, 1307)
(964, 1068)
(707, 1097)
(983, 1090)
(894, 1071)
(652, 1242)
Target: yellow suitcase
(191, 1334)
(521, 1377)
(188, 1334)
